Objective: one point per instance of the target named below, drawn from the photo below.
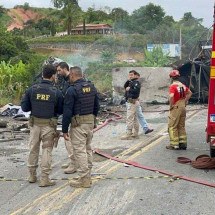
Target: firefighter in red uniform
(179, 95)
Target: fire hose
(136, 164)
(117, 117)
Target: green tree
(120, 17)
(146, 18)
(69, 9)
(2, 10)
(45, 25)
(96, 16)
(26, 6)
(165, 32)
(118, 14)
(168, 20)
(10, 46)
(192, 31)
(53, 29)
(64, 3)
(189, 20)
(72, 14)
(7, 46)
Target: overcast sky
(176, 8)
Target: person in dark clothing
(81, 106)
(132, 92)
(45, 103)
(139, 112)
(63, 77)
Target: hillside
(19, 16)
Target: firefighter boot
(70, 169)
(33, 175)
(127, 136)
(182, 146)
(46, 182)
(84, 182)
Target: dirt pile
(20, 17)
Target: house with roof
(92, 29)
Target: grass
(112, 41)
(5, 19)
(4, 101)
(66, 39)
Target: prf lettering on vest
(43, 97)
(86, 89)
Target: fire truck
(210, 130)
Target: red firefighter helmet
(174, 73)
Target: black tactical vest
(43, 100)
(84, 103)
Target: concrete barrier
(154, 81)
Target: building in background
(172, 50)
(92, 29)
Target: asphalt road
(117, 188)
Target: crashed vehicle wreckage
(196, 73)
(193, 73)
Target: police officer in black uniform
(132, 93)
(63, 83)
(81, 106)
(45, 103)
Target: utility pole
(84, 26)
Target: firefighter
(45, 103)
(179, 95)
(81, 106)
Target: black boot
(182, 146)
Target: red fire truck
(211, 99)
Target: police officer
(179, 95)
(63, 84)
(45, 103)
(132, 93)
(81, 106)
(63, 77)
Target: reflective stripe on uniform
(212, 72)
(174, 140)
(183, 139)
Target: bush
(155, 58)
(15, 78)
